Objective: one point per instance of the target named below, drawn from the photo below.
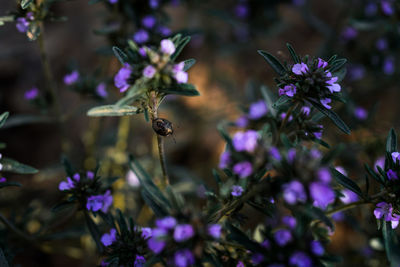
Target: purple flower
(224, 160)
(317, 248)
(101, 90)
(289, 90)
(113, 1)
(282, 237)
(122, 77)
(289, 221)
(274, 153)
(183, 232)
(300, 68)
(245, 141)
(283, 116)
(237, 190)
(338, 216)
(395, 156)
(387, 7)
(306, 110)
(3, 180)
(240, 264)
(242, 122)
(322, 63)
(381, 44)
(349, 33)
(214, 230)
(332, 85)
(356, 72)
(348, 196)
(167, 47)
(360, 113)
(324, 175)
(166, 223)
(325, 102)
(141, 36)
(32, 93)
(388, 65)
(156, 243)
(294, 192)
(300, 259)
(146, 232)
(257, 258)
(241, 10)
(100, 202)
(322, 194)
(380, 162)
(154, 3)
(76, 177)
(140, 261)
(391, 175)
(315, 154)
(257, 110)
(68, 185)
(149, 71)
(22, 25)
(383, 210)
(243, 169)
(164, 31)
(90, 175)
(291, 155)
(71, 78)
(179, 74)
(370, 9)
(148, 21)
(142, 51)
(184, 258)
(108, 238)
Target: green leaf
(391, 244)
(216, 176)
(25, 3)
(391, 141)
(189, 63)
(293, 53)
(273, 62)
(113, 110)
(4, 19)
(320, 215)
(283, 100)
(268, 99)
(94, 231)
(179, 47)
(184, 89)
(331, 115)
(10, 165)
(377, 177)
(5, 184)
(3, 118)
(24, 119)
(122, 57)
(346, 182)
(337, 64)
(340, 74)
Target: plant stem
(160, 141)
(286, 119)
(13, 228)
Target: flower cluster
(24, 22)
(175, 238)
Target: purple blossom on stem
(384, 210)
(245, 141)
(282, 237)
(157, 243)
(3, 180)
(108, 238)
(68, 185)
(140, 261)
(243, 169)
(90, 175)
(242, 122)
(381, 44)
(360, 113)
(300, 259)
(149, 71)
(289, 90)
(333, 86)
(166, 223)
(99, 202)
(289, 221)
(237, 190)
(154, 3)
(324, 175)
(322, 194)
(32, 93)
(148, 21)
(389, 65)
(142, 51)
(184, 258)
(167, 47)
(291, 155)
(71, 78)
(355, 72)
(317, 248)
(22, 25)
(348, 196)
(101, 90)
(214, 230)
(121, 78)
(141, 36)
(241, 10)
(322, 63)
(274, 153)
(179, 74)
(370, 9)
(294, 192)
(146, 232)
(325, 102)
(349, 33)
(395, 156)
(387, 7)
(224, 160)
(306, 110)
(257, 110)
(240, 264)
(183, 232)
(300, 68)
(164, 31)
(257, 258)
(391, 175)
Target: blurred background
(229, 72)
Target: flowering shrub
(279, 191)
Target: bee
(162, 127)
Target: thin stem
(13, 228)
(285, 120)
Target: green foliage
(10, 165)
(273, 62)
(113, 110)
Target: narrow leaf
(346, 182)
(273, 62)
(25, 3)
(184, 89)
(122, 57)
(180, 47)
(3, 118)
(293, 53)
(189, 63)
(10, 165)
(113, 110)
(391, 141)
